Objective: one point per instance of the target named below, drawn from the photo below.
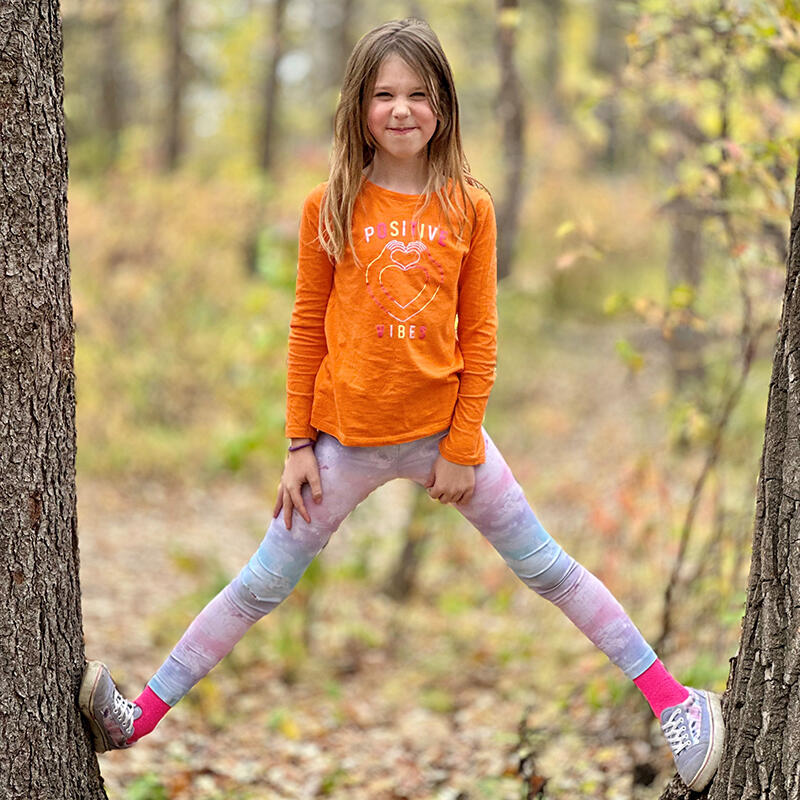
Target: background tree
(608, 58)
(511, 112)
(176, 83)
(44, 751)
(112, 77)
(275, 46)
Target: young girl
(391, 360)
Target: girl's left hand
(451, 483)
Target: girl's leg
(348, 475)
(498, 509)
(690, 719)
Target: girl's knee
(541, 564)
(280, 561)
(556, 579)
(265, 586)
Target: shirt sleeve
(307, 343)
(477, 338)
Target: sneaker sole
(91, 677)
(709, 766)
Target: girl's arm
(477, 338)
(307, 349)
(307, 345)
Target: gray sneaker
(694, 731)
(109, 714)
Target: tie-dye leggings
(498, 509)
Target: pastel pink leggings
(498, 509)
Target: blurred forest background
(641, 156)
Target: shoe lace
(676, 732)
(123, 711)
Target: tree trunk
(761, 758)
(686, 344)
(512, 117)
(176, 85)
(271, 85)
(608, 59)
(552, 20)
(402, 578)
(45, 752)
(111, 79)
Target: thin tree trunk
(512, 118)
(552, 21)
(269, 128)
(609, 60)
(685, 268)
(111, 79)
(45, 752)
(761, 757)
(174, 143)
(344, 37)
(402, 578)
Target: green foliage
(437, 699)
(706, 671)
(630, 356)
(147, 787)
(332, 781)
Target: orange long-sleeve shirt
(375, 356)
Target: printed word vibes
(401, 331)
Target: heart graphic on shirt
(404, 279)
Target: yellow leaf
(289, 728)
(564, 228)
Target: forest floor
(473, 688)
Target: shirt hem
(377, 441)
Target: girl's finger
(316, 486)
(287, 511)
(278, 502)
(297, 501)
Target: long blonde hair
(354, 146)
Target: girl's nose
(400, 107)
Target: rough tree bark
(45, 752)
(761, 758)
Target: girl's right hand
(301, 467)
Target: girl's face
(399, 115)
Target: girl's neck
(399, 176)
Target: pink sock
(153, 711)
(659, 688)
